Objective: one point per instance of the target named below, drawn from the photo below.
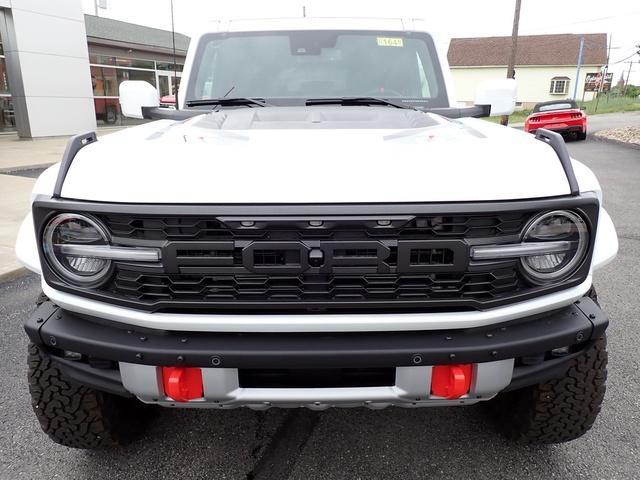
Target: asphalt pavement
(357, 443)
(606, 121)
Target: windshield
(301, 65)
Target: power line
(611, 17)
(625, 59)
(593, 20)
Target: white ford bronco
(316, 224)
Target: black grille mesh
(204, 228)
(209, 274)
(159, 287)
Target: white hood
(196, 162)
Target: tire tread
(75, 415)
(558, 410)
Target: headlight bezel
(572, 266)
(54, 262)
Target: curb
(21, 168)
(599, 138)
(14, 274)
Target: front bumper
(123, 360)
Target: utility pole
(580, 52)
(514, 47)
(626, 84)
(175, 66)
(606, 72)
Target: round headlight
(67, 230)
(558, 226)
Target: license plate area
(316, 377)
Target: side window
(559, 85)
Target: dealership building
(60, 69)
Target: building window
(168, 66)
(4, 81)
(107, 73)
(7, 115)
(121, 61)
(559, 86)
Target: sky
(452, 18)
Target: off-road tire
(77, 416)
(558, 410)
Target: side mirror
(135, 94)
(499, 95)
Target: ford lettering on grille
(319, 256)
(316, 263)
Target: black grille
(318, 258)
(210, 228)
(146, 287)
(431, 256)
(266, 258)
(313, 263)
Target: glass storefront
(7, 115)
(107, 72)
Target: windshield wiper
(351, 101)
(229, 102)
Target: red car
(168, 101)
(562, 116)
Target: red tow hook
(451, 381)
(182, 384)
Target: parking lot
(358, 443)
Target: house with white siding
(545, 67)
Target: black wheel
(581, 135)
(559, 410)
(77, 416)
(111, 116)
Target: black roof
(99, 28)
(564, 101)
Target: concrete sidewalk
(15, 204)
(19, 161)
(17, 154)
